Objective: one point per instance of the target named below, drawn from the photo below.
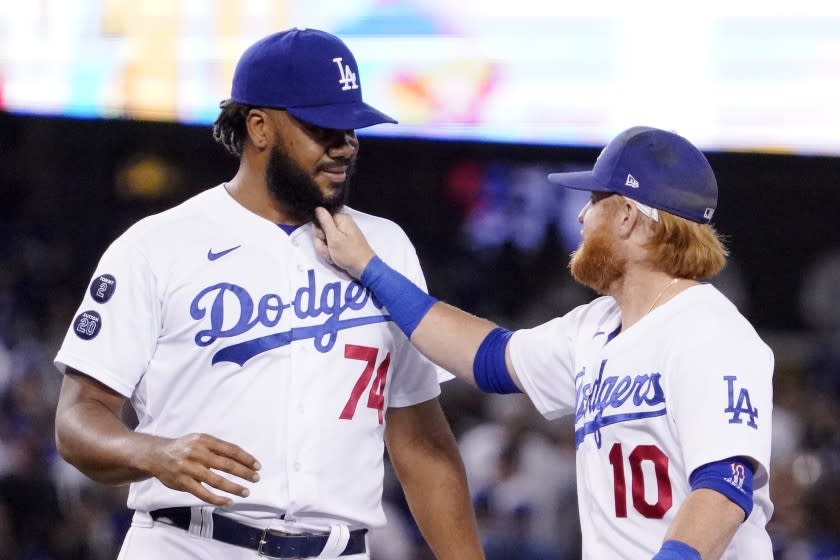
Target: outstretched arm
(445, 334)
(91, 436)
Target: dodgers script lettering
(232, 305)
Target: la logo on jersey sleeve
(739, 405)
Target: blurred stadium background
(105, 112)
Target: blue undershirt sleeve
(489, 367)
(732, 477)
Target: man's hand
(91, 435)
(340, 241)
(188, 463)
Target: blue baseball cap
(309, 73)
(655, 167)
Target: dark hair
(230, 130)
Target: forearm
(91, 438)
(706, 521)
(440, 504)
(445, 334)
(451, 337)
(425, 456)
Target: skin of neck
(642, 283)
(639, 288)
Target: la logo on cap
(348, 77)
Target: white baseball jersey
(212, 319)
(689, 384)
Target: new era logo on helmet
(348, 77)
(631, 182)
(709, 213)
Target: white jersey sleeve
(118, 320)
(721, 401)
(543, 360)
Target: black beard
(295, 189)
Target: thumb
(326, 222)
(321, 248)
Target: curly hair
(230, 130)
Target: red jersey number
(640, 454)
(376, 396)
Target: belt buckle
(267, 531)
(263, 540)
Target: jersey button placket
(296, 424)
(303, 358)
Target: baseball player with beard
(265, 380)
(669, 385)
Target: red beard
(595, 263)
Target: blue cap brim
(344, 116)
(578, 180)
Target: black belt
(265, 541)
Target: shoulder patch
(102, 287)
(87, 324)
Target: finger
(230, 466)
(199, 491)
(196, 472)
(319, 239)
(219, 482)
(347, 225)
(325, 222)
(321, 249)
(318, 235)
(324, 252)
(232, 451)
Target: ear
(628, 218)
(257, 122)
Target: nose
(583, 211)
(342, 143)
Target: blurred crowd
(521, 468)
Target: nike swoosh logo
(211, 256)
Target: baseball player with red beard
(265, 380)
(669, 385)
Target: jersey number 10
(637, 457)
(376, 396)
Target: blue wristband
(406, 303)
(676, 550)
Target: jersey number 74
(376, 396)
